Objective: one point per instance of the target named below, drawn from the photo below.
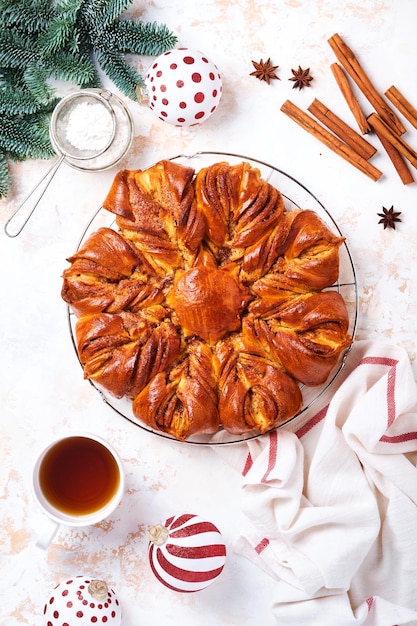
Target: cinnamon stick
(352, 66)
(350, 98)
(380, 126)
(327, 138)
(402, 104)
(396, 159)
(341, 129)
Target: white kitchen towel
(332, 503)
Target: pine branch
(65, 40)
(124, 77)
(15, 51)
(16, 101)
(56, 36)
(105, 12)
(149, 39)
(68, 7)
(77, 29)
(35, 77)
(10, 77)
(4, 176)
(27, 138)
(25, 16)
(61, 28)
(73, 68)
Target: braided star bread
(209, 304)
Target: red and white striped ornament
(82, 600)
(187, 553)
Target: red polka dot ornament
(187, 553)
(81, 600)
(183, 87)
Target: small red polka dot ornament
(82, 600)
(183, 87)
(187, 553)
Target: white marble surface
(43, 394)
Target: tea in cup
(78, 480)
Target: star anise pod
(264, 70)
(389, 217)
(301, 78)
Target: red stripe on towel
(248, 464)
(378, 360)
(273, 448)
(312, 422)
(392, 373)
(262, 545)
(399, 438)
(391, 395)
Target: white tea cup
(78, 480)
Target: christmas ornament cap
(82, 600)
(186, 553)
(183, 87)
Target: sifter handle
(16, 223)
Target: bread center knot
(208, 301)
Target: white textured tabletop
(43, 394)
